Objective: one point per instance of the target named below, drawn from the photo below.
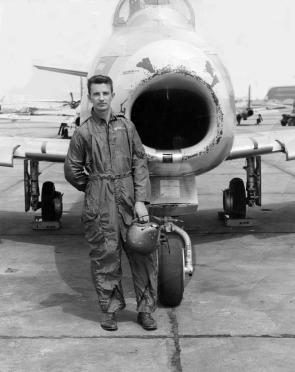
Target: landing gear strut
(51, 200)
(174, 261)
(253, 169)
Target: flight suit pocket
(90, 207)
(92, 222)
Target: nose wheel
(171, 269)
(234, 199)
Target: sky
(253, 39)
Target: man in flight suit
(107, 161)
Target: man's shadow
(73, 265)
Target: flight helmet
(143, 237)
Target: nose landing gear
(174, 261)
(171, 270)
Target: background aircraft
(288, 116)
(41, 107)
(71, 103)
(180, 97)
(244, 112)
(251, 107)
(68, 110)
(15, 108)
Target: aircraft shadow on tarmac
(75, 292)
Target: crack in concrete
(64, 337)
(176, 356)
(283, 336)
(175, 336)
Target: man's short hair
(99, 79)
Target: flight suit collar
(98, 120)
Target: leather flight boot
(146, 321)
(109, 322)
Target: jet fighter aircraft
(73, 104)
(245, 112)
(180, 97)
(30, 108)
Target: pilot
(107, 161)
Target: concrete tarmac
(238, 311)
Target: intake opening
(173, 112)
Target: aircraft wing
(46, 149)
(264, 143)
(62, 70)
(14, 117)
(55, 149)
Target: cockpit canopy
(126, 9)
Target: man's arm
(74, 163)
(142, 187)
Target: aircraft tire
(58, 206)
(227, 201)
(65, 133)
(51, 202)
(238, 192)
(171, 272)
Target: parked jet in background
(180, 97)
(15, 108)
(245, 112)
(46, 108)
(24, 110)
(73, 104)
(288, 116)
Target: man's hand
(141, 211)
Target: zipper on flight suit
(108, 140)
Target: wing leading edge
(54, 150)
(264, 143)
(62, 70)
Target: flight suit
(108, 163)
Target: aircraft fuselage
(174, 89)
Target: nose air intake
(173, 111)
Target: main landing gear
(63, 130)
(51, 200)
(174, 261)
(236, 197)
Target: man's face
(101, 97)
